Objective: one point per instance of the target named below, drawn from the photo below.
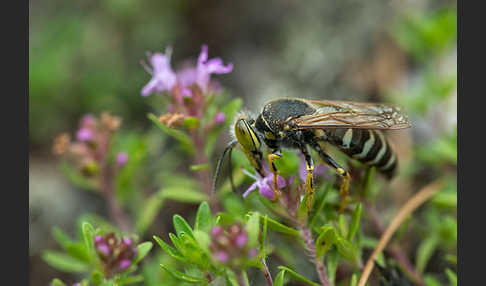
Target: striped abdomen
(367, 146)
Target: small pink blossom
(121, 158)
(220, 118)
(85, 134)
(264, 185)
(207, 67)
(221, 256)
(241, 239)
(163, 77)
(124, 264)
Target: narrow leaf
(183, 195)
(64, 262)
(88, 233)
(181, 276)
(169, 249)
(181, 226)
(279, 279)
(276, 226)
(298, 276)
(355, 217)
(180, 136)
(57, 282)
(203, 218)
(142, 250)
(130, 280)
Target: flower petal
(250, 189)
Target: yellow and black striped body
(367, 146)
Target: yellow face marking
(246, 136)
(319, 133)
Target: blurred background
(85, 58)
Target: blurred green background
(85, 58)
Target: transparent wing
(350, 114)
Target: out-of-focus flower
(264, 185)
(109, 121)
(84, 134)
(61, 144)
(207, 67)
(163, 77)
(230, 245)
(115, 254)
(318, 170)
(121, 158)
(220, 118)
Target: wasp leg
(344, 189)
(309, 182)
(276, 154)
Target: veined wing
(350, 114)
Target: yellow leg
(273, 169)
(309, 187)
(344, 189)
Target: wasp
(300, 124)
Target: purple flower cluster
(229, 246)
(115, 255)
(187, 87)
(91, 145)
(165, 79)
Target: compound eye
(246, 136)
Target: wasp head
(249, 141)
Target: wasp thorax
(246, 136)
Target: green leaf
(278, 227)
(181, 276)
(191, 122)
(203, 218)
(64, 262)
(452, 277)
(319, 203)
(177, 242)
(332, 264)
(97, 277)
(181, 226)
(202, 239)
(148, 213)
(347, 250)
(264, 235)
(180, 136)
(88, 234)
(279, 279)
(297, 276)
(61, 237)
(130, 280)
(57, 282)
(78, 251)
(355, 217)
(169, 249)
(142, 250)
(368, 181)
(183, 195)
(343, 225)
(424, 252)
(327, 238)
(253, 228)
(354, 280)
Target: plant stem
(116, 211)
(306, 235)
(204, 175)
(241, 279)
(266, 272)
(412, 204)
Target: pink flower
(207, 67)
(220, 118)
(163, 77)
(121, 158)
(265, 185)
(84, 134)
(221, 256)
